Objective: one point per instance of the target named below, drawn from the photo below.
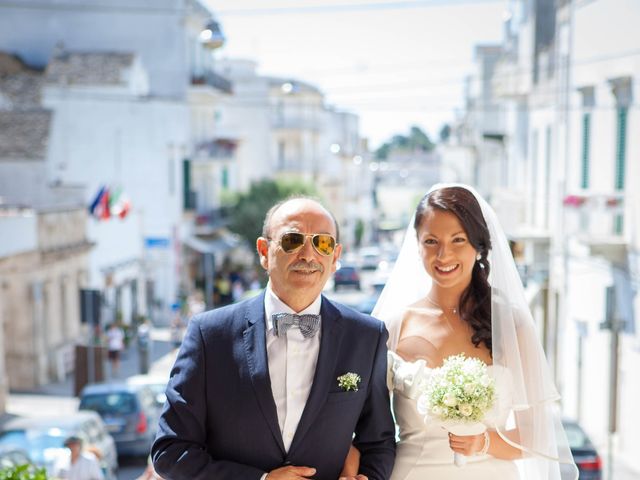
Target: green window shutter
(586, 153)
(225, 178)
(186, 185)
(621, 148)
(621, 158)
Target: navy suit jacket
(220, 419)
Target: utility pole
(615, 325)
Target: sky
(394, 63)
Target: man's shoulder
(354, 317)
(229, 314)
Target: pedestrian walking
(115, 345)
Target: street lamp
(211, 36)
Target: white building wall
(136, 144)
(596, 60)
(152, 28)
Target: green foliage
(249, 209)
(23, 472)
(445, 133)
(359, 231)
(416, 140)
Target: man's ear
(262, 246)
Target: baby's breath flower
(459, 390)
(349, 381)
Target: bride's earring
(479, 257)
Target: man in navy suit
(280, 386)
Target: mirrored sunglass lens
(291, 241)
(324, 244)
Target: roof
(24, 134)
(88, 68)
(108, 387)
(66, 421)
(20, 86)
(296, 85)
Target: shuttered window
(586, 149)
(621, 154)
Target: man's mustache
(302, 266)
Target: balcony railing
(596, 217)
(214, 80)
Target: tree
(416, 140)
(445, 133)
(249, 209)
(23, 472)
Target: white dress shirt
(85, 468)
(292, 365)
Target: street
(58, 399)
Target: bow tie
(307, 323)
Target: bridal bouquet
(458, 395)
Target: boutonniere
(349, 381)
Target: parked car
(346, 275)
(130, 413)
(13, 457)
(43, 439)
(369, 258)
(156, 383)
(584, 453)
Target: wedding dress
(423, 450)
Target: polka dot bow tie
(307, 323)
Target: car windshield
(42, 446)
(121, 403)
(575, 436)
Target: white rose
(465, 409)
(469, 388)
(485, 380)
(436, 410)
(450, 400)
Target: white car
(43, 439)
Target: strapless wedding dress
(423, 451)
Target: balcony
(597, 221)
(295, 122)
(214, 80)
(217, 149)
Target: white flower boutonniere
(349, 381)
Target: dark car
(130, 413)
(584, 453)
(346, 275)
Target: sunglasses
(323, 243)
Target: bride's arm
(351, 463)
(474, 444)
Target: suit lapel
(256, 355)
(331, 329)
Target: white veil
(536, 416)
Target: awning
(220, 245)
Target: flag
(99, 207)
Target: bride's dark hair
(475, 301)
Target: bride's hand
(466, 444)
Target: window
(621, 152)
(586, 152)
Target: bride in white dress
(455, 289)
